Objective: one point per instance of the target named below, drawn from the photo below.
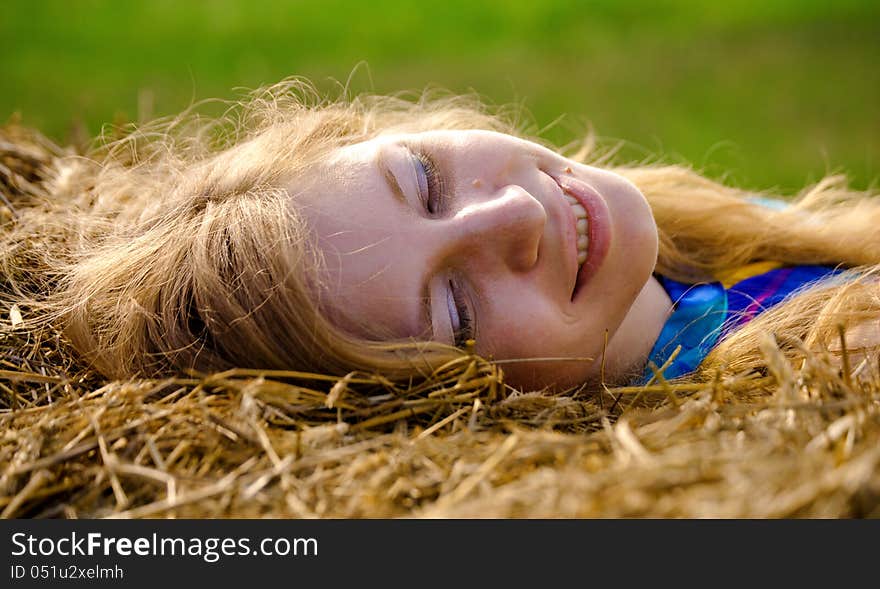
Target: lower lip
(598, 227)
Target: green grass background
(765, 94)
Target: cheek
(483, 163)
(559, 376)
(534, 336)
(530, 334)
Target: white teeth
(582, 226)
(579, 211)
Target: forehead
(442, 139)
(370, 282)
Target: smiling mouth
(592, 227)
(583, 229)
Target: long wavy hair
(172, 245)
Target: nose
(505, 227)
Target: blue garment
(706, 312)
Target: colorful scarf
(706, 312)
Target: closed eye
(429, 181)
(459, 313)
(432, 194)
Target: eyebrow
(391, 179)
(397, 191)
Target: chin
(640, 231)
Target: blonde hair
(175, 247)
(706, 228)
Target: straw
(803, 441)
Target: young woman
(385, 235)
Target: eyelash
(465, 329)
(433, 199)
(433, 194)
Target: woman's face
(451, 235)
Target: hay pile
(803, 441)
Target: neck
(631, 345)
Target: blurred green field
(767, 94)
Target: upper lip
(569, 235)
